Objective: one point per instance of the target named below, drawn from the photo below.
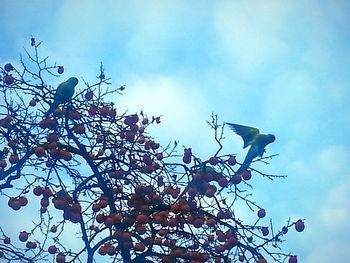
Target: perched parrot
(257, 141)
(64, 94)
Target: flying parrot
(257, 141)
(64, 94)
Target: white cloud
(179, 101)
(322, 180)
(325, 250)
(249, 31)
(336, 210)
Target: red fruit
(188, 152)
(293, 259)
(241, 258)
(185, 208)
(139, 247)
(236, 179)
(159, 156)
(100, 218)
(232, 160)
(32, 103)
(142, 219)
(96, 207)
(265, 230)
(211, 222)
(38, 190)
(299, 226)
(213, 160)
(261, 213)
(92, 110)
(175, 193)
(12, 143)
(119, 173)
(175, 208)
(147, 169)
(23, 236)
(53, 229)
(47, 192)
(23, 200)
(130, 136)
(13, 159)
(198, 222)
(14, 203)
(3, 163)
(60, 69)
(102, 250)
(52, 137)
(74, 115)
(60, 203)
(223, 182)
(146, 159)
(44, 202)
(40, 151)
(155, 145)
(112, 113)
(221, 236)
(210, 192)
(186, 159)
(76, 208)
(89, 95)
(79, 129)
(52, 249)
(103, 203)
(116, 218)
(8, 67)
(104, 111)
(8, 79)
(60, 258)
(247, 175)
(7, 240)
(108, 221)
(31, 245)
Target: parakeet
(64, 94)
(257, 141)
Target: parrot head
(73, 81)
(271, 138)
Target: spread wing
(247, 133)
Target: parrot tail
(244, 166)
(51, 110)
(242, 169)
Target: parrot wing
(65, 91)
(63, 94)
(212, 171)
(247, 133)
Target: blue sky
(281, 66)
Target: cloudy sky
(281, 66)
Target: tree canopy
(89, 169)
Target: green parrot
(64, 94)
(257, 141)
